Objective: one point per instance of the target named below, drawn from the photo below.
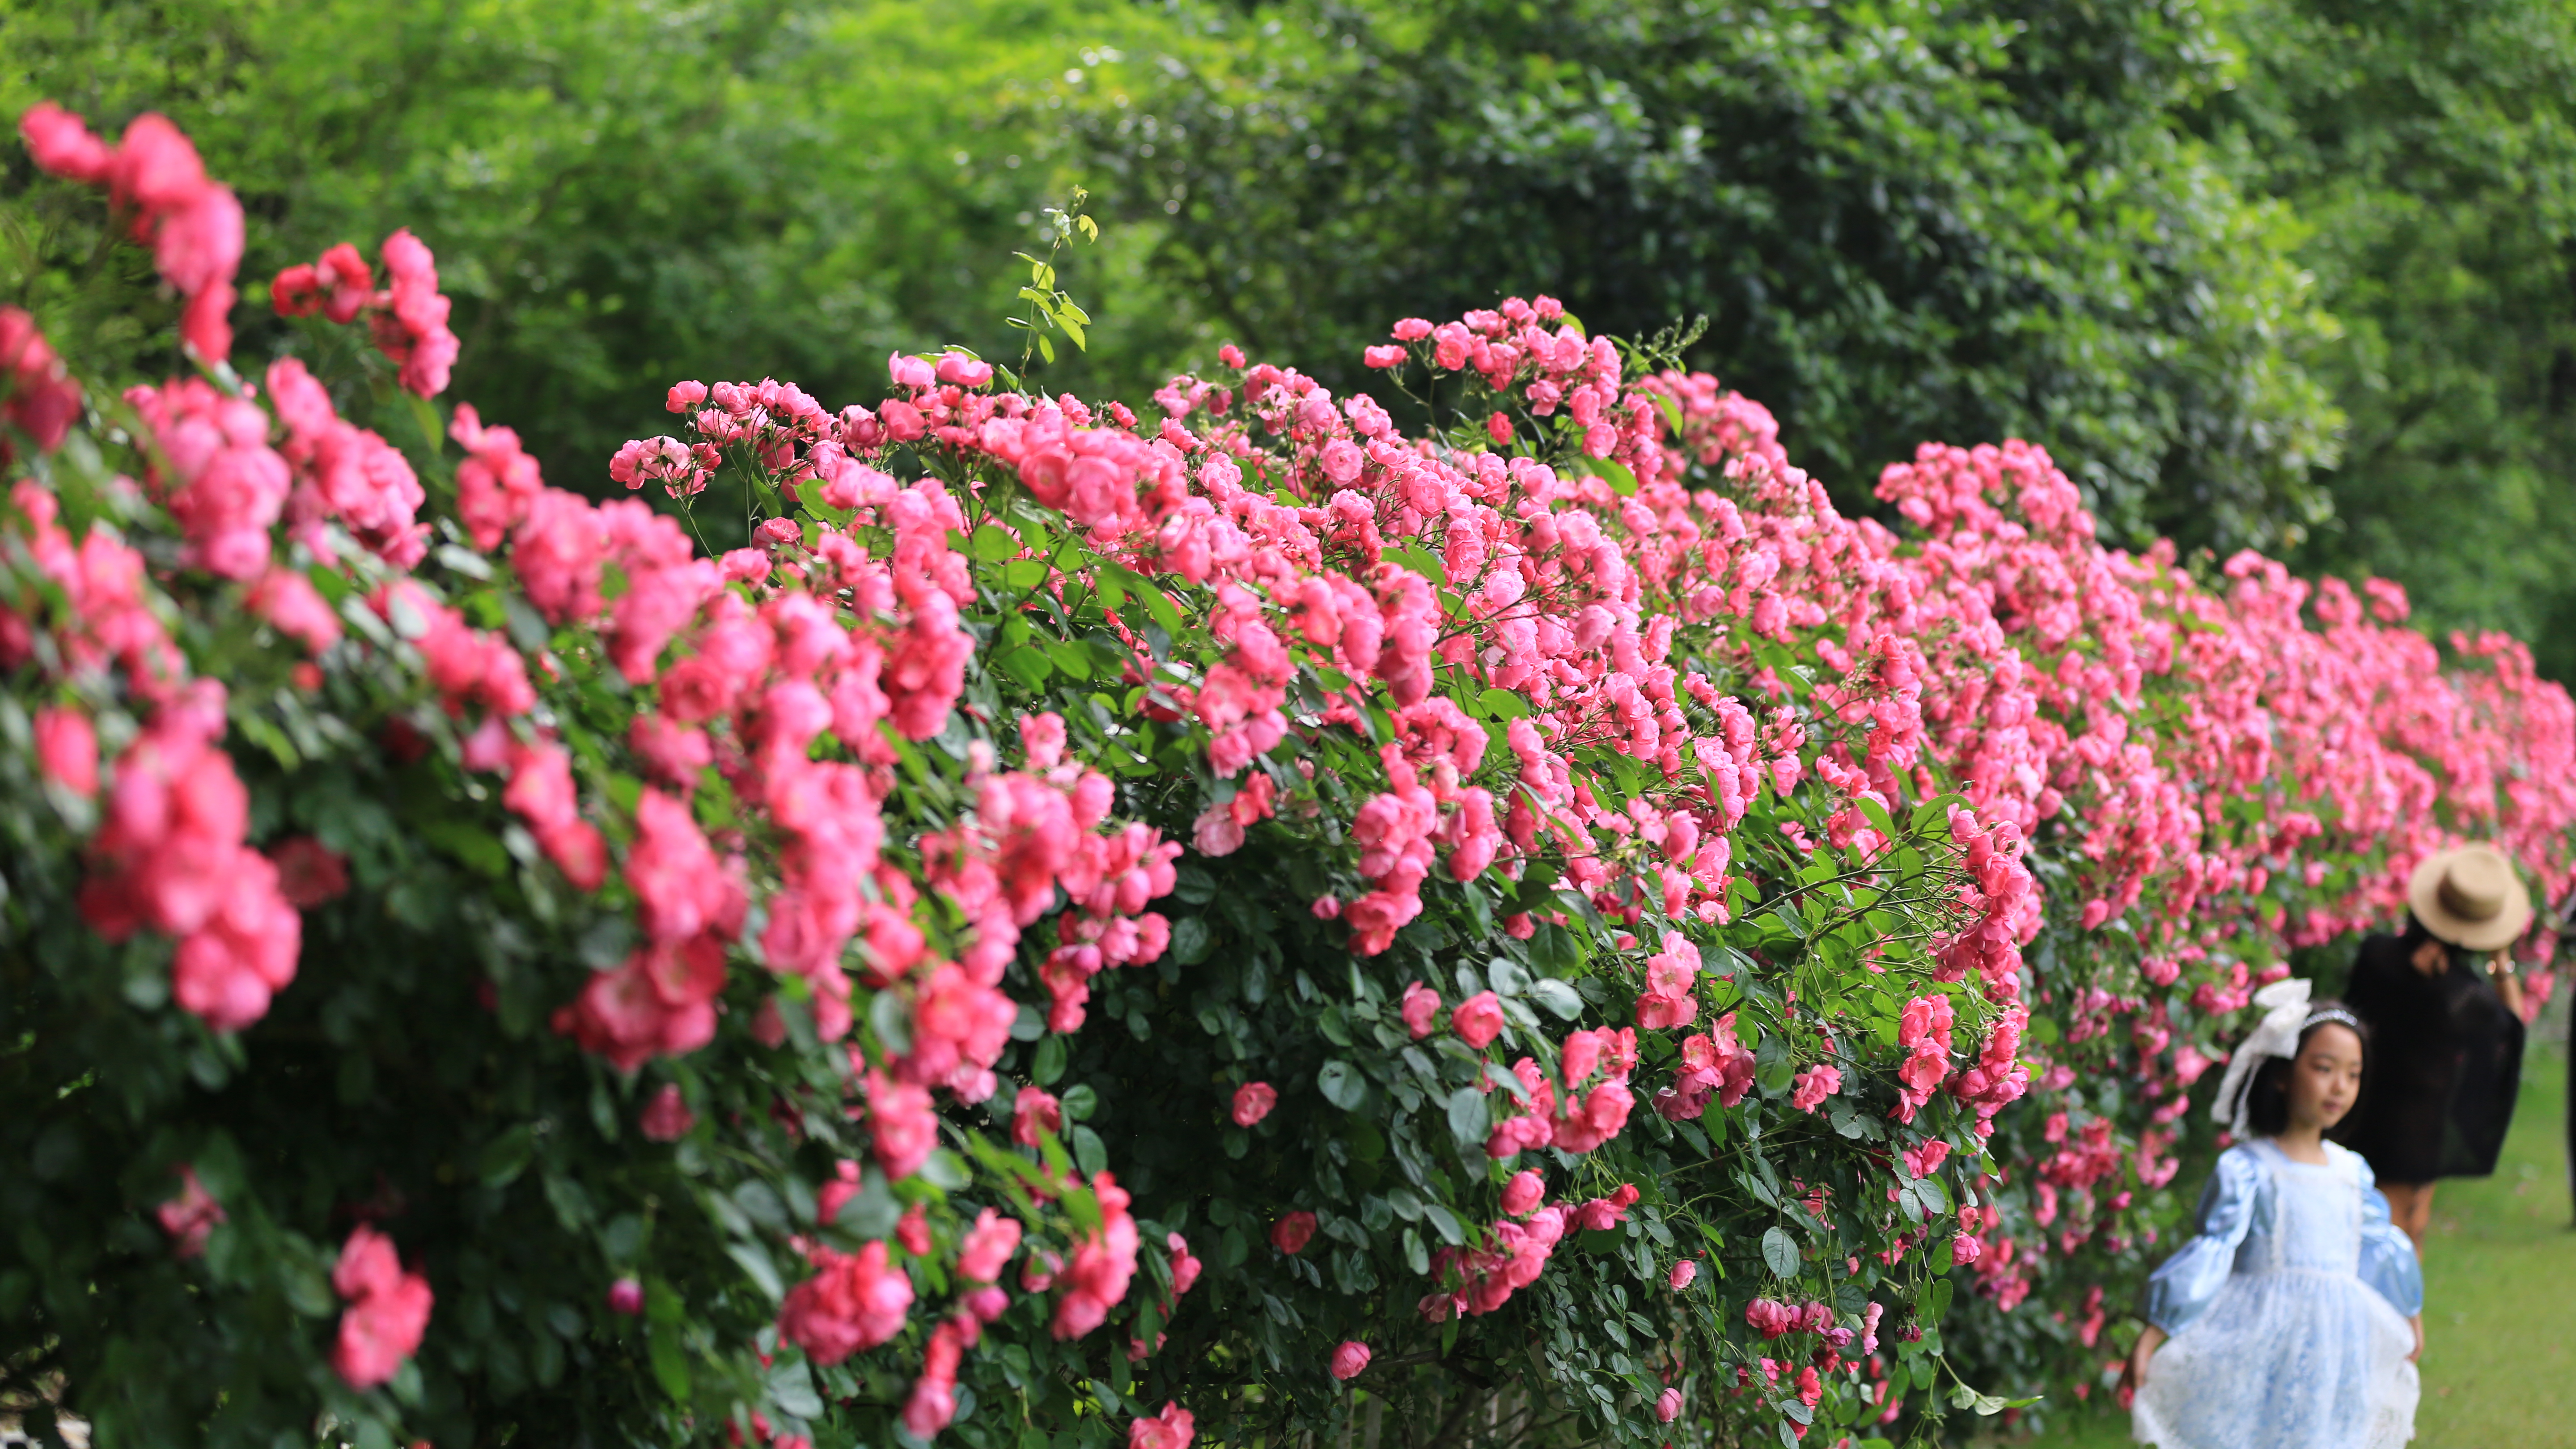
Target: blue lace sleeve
(2388, 1262)
(2189, 1280)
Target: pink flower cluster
(854, 1301)
(1480, 1279)
(154, 177)
(1714, 1065)
(387, 1314)
(191, 1217)
(408, 318)
(1593, 1111)
(1774, 1319)
(170, 853)
(37, 396)
(1173, 1428)
(344, 473)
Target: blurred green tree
(619, 194)
(1905, 220)
(2430, 148)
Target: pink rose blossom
(190, 1217)
(1035, 1113)
(667, 1117)
(1171, 1429)
(1814, 1085)
(1253, 1101)
(1349, 1360)
(626, 1297)
(67, 749)
(387, 1314)
(854, 1301)
(1292, 1232)
(1478, 1019)
(1420, 1008)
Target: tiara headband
(2286, 1018)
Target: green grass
(2499, 1290)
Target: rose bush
(1103, 930)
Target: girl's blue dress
(2288, 1314)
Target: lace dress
(2287, 1314)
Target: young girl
(2293, 1321)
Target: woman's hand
(2418, 1323)
(2133, 1375)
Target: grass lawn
(2499, 1289)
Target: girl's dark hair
(2267, 1103)
(2416, 935)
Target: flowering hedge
(1093, 930)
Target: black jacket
(2444, 1066)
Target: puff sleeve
(2189, 1280)
(2388, 1262)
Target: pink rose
(1421, 1006)
(1291, 1233)
(1815, 1084)
(1171, 1429)
(387, 1314)
(1478, 1019)
(626, 1296)
(1521, 1196)
(1668, 1406)
(1349, 1359)
(190, 1217)
(67, 749)
(667, 1117)
(1035, 1113)
(853, 1302)
(1684, 1274)
(1253, 1101)
(988, 1247)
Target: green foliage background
(2287, 273)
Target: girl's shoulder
(2248, 1164)
(2349, 1164)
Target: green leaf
(1503, 704)
(1089, 1152)
(754, 1261)
(1342, 1084)
(1560, 998)
(791, 1388)
(664, 1313)
(1445, 1223)
(506, 1156)
(992, 544)
(1780, 1252)
(1028, 664)
(1048, 1064)
(1467, 1120)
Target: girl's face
(2325, 1078)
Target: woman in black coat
(2445, 1036)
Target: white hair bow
(2285, 1015)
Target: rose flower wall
(1104, 927)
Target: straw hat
(2470, 897)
